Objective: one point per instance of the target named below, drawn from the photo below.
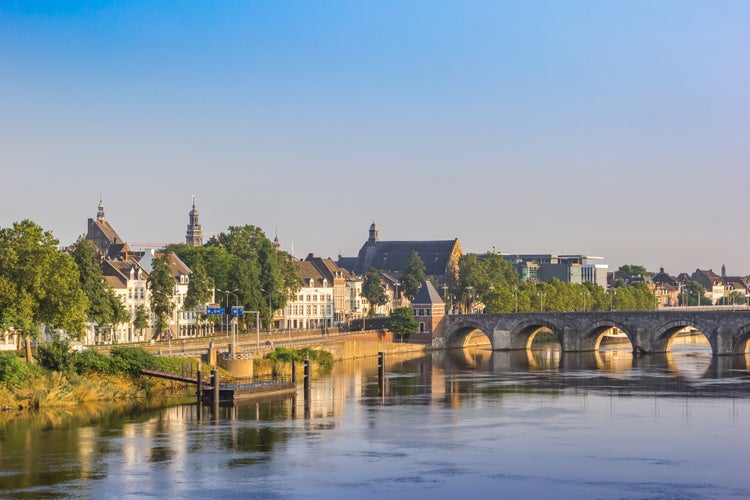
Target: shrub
(132, 360)
(91, 361)
(55, 356)
(323, 358)
(12, 369)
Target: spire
(100, 211)
(276, 242)
(194, 234)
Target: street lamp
(583, 293)
(612, 292)
(515, 296)
(541, 300)
(226, 314)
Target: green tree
(105, 308)
(200, 286)
(632, 270)
(694, 294)
(262, 276)
(216, 260)
(140, 318)
(373, 290)
(402, 322)
(161, 284)
(414, 276)
(39, 285)
(489, 279)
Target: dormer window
(325, 282)
(311, 282)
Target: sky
(615, 129)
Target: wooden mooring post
(381, 373)
(215, 387)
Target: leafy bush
(91, 361)
(323, 358)
(55, 356)
(12, 369)
(132, 360)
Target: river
(448, 424)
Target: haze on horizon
(617, 129)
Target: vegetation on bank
(63, 377)
(279, 361)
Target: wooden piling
(307, 378)
(215, 385)
(381, 372)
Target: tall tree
(414, 276)
(140, 318)
(39, 285)
(402, 322)
(263, 277)
(632, 270)
(200, 286)
(104, 306)
(373, 290)
(161, 284)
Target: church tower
(373, 234)
(100, 210)
(194, 234)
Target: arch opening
(469, 336)
(688, 349)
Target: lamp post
(541, 300)
(515, 296)
(470, 301)
(612, 292)
(226, 315)
(257, 328)
(583, 293)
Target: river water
(469, 423)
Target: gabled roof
(394, 255)
(427, 295)
(307, 271)
(176, 265)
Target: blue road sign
(214, 310)
(236, 311)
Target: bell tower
(194, 234)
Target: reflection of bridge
(727, 332)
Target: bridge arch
(663, 335)
(594, 332)
(459, 332)
(741, 341)
(523, 333)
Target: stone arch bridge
(727, 332)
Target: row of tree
(244, 266)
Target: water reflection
(461, 420)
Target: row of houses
(672, 291)
(330, 293)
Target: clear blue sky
(619, 129)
